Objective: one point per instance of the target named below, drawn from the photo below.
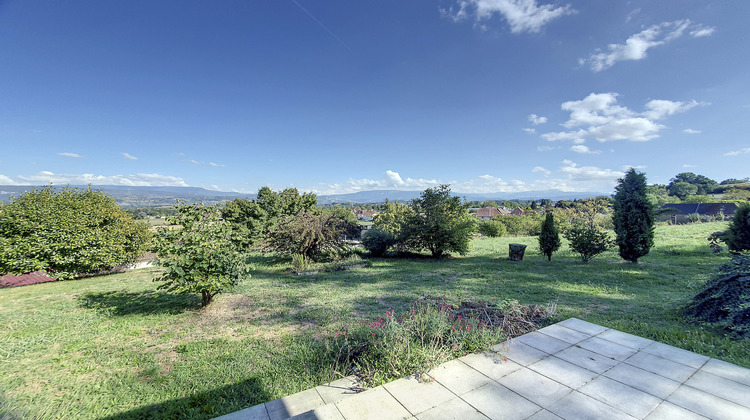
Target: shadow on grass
(121, 303)
(201, 405)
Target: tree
(491, 228)
(549, 239)
(633, 216)
(198, 254)
(588, 242)
(377, 241)
(703, 185)
(682, 190)
(67, 233)
(314, 236)
(395, 219)
(440, 223)
(738, 237)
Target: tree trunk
(207, 297)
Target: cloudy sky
(346, 96)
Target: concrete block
(416, 396)
(676, 354)
(668, 411)
(660, 366)
(543, 342)
(294, 404)
(256, 412)
(339, 389)
(587, 359)
(607, 348)
(326, 412)
(727, 370)
(458, 377)
(566, 373)
(625, 339)
(643, 380)
(577, 406)
(534, 387)
(721, 387)
(498, 402)
(625, 398)
(544, 415)
(493, 365)
(454, 409)
(520, 353)
(373, 404)
(582, 326)
(565, 334)
(707, 405)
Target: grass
(113, 347)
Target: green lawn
(114, 347)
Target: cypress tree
(739, 229)
(549, 239)
(633, 216)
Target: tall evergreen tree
(549, 239)
(739, 229)
(633, 216)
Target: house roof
(487, 212)
(709, 209)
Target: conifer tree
(633, 216)
(549, 239)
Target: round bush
(377, 241)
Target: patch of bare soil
(515, 320)
(11, 280)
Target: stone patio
(571, 370)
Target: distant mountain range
(134, 197)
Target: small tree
(312, 235)
(440, 223)
(67, 233)
(198, 254)
(377, 241)
(633, 216)
(491, 228)
(738, 236)
(549, 239)
(588, 242)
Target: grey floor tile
(643, 380)
(294, 404)
(338, 389)
(707, 405)
(375, 404)
(543, 342)
(455, 409)
(607, 348)
(565, 334)
(326, 412)
(544, 415)
(534, 386)
(721, 387)
(497, 402)
(587, 359)
(660, 366)
(493, 365)
(256, 412)
(727, 370)
(520, 353)
(577, 406)
(625, 339)
(625, 398)
(582, 326)
(417, 396)
(458, 377)
(668, 411)
(676, 354)
(568, 374)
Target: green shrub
(549, 239)
(67, 233)
(738, 237)
(378, 241)
(725, 300)
(588, 242)
(491, 228)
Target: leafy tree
(703, 185)
(549, 239)
(732, 181)
(682, 190)
(313, 235)
(491, 228)
(633, 216)
(67, 233)
(198, 254)
(395, 219)
(353, 229)
(440, 223)
(588, 242)
(738, 237)
(247, 220)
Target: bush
(378, 241)
(725, 300)
(588, 242)
(67, 233)
(520, 225)
(549, 239)
(316, 236)
(738, 237)
(491, 228)
(439, 223)
(198, 255)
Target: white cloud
(128, 156)
(194, 162)
(70, 155)
(691, 131)
(589, 174)
(602, 119)
(216, 165)
(743, 151)
(579, 148)
(688, 166)
(546, 148)
(536, 120)
(539, 169)
(632, 14)
(140, 180)
(636, 46)
(6, 180)
(530, 130)
(625, 168)
(521, 15)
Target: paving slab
(571, 370)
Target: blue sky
(335, 97)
